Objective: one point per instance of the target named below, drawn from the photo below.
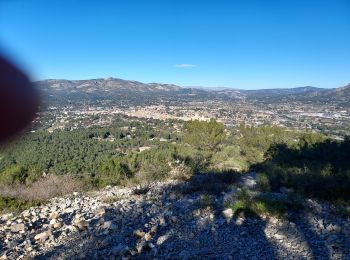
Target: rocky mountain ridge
(107, 84)
(116, 90)
(113, 88)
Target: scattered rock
(139, 233)
(42, 237)
(54, 215)
(57, 225)
(18, 227)
(174, 219)
(164, 223)
(227, 213)
(148, 237)
(239, 221)
(279, 236)
(81, 223)
(162, 239)
(101, 211)
(7, 216)
(110, 225)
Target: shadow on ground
(182, 227)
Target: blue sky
(219, 43)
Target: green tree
(112, 172)
(204, 135)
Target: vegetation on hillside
(142, 152)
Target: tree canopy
(204, 135)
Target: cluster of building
(327, 118)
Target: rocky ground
(169, 221)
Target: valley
(321, 110)
(115, 169)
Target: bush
(207, 201)
(196, 160)
(181, 172)
(315, 167)
(13, 175)
(44, 189)
(263, 182)
(243, 206)
(267, 205)
(312, 180)
(248, 205)
(150, 173)
(255, 141)
(112, 172)
(12, 204)
(345, 211)
(229, 157)
(212, 183)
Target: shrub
(196, 160)
(346, 212)
(248, 205)
(112, 199)
(212, 183)
(311, 180)
(207, 201)
(112, 172)
(12, 204)
(229, 157)
(150, 173)
(263, 182)
(267, 205)
(44, 189)
(181, 172)
(13, 175)
(151, 165)
(243, 206)
(314, 166)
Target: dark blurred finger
(18, 100)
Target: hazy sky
(240, 44)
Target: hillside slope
(166, 221)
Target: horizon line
(184, 86)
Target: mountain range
(119, 89)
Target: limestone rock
(110, 225)
(58, 224)
(139, 233)
(101, 212)
(81, 223)
(54, 215)
(42, 237)
(227, 213)
(17, 227)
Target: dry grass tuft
(181, 172)
(44, 189)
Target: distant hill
(285, 91)
(342, 93)
(105, 85)
(134, 92)
(112, 89)
(301, 94)
(284, 94)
